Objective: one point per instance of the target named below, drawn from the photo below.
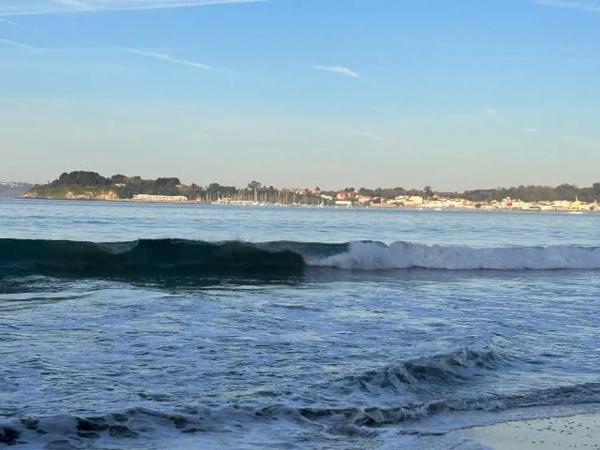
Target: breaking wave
(185, 256)
(208, 422)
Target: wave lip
(367, 255)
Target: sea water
(138, 326)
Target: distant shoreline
(85, 185)
(280, 205)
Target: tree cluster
(537, 193)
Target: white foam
(117, 248)
(404, 255)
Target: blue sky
(454, 94)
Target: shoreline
(280, 205)
(551, 433)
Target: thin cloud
(579, 141)
(338, 70)
(18, 44)
(77, 4)
(582, 5)
(13, 24)
(491, 111)
(170, 59)
(19, 7)
(369, 135)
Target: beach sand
(577, 432)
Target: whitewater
(405, 255)
(194, 327)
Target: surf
(195, 256)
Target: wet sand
(577, 432)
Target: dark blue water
(163, 336)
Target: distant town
(82, 185)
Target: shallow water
(360, 347)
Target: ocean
(151, 326)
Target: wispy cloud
(170, 59)
(12, 23)
(20, 7)
(579, 141)
(368, 135)
(491, 111)
(18, 44)
(338, 70)
(80, 5)
(8, 22)
(583, 5)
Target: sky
(455, 94)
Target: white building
(160, 198)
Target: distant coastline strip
(82, 185)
